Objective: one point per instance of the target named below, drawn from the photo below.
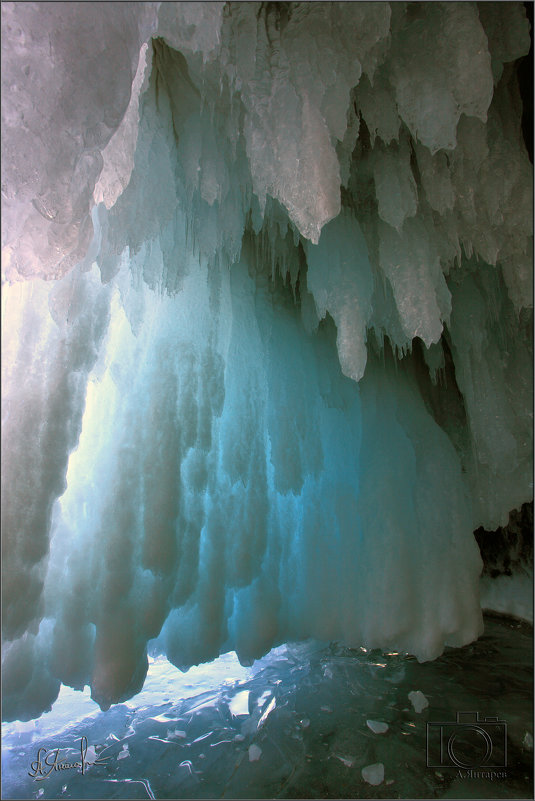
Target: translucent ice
(240, 703)
(65, 60)
(267, 331)
(374, 774)
(418, 700)
(255, 752)
(377, 726)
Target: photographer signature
(49, 760)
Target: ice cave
(267, 399)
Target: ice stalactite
(281, 368)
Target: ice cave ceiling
(267, 329)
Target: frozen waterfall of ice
(267, 329)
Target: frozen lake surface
(309, 720)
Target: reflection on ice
(308, 720)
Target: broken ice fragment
(124, 753)
(377, 726)
(348, 761)
(254, 753)
(176, 733)
(374, 774)
(418, 700)
(91, 755)
(240, 703)
(270, 707)
(265, 695)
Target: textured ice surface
(509, 595)
(323, 759)
(284, 368)
(66, 81)
(506, 585)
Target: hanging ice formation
(267, 315)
